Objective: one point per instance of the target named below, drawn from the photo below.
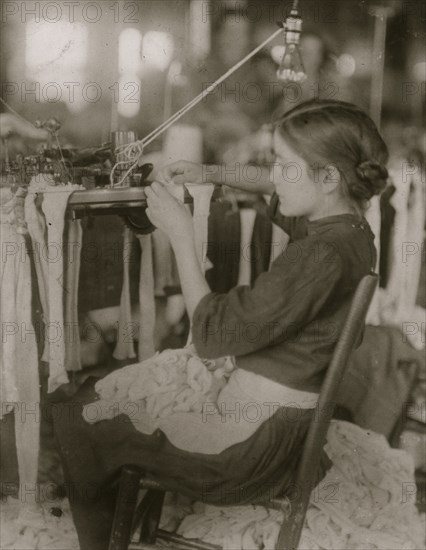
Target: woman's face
(294, 182)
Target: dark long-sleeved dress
(284, 328)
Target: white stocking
(125, 341)
(146, 300)
(202, 195)
(247, 220)
(72, 342)
(54, 206)
(37, 229)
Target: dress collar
(323, 224)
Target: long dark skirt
(261, 467)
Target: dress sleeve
(295, 227)
(302, 280)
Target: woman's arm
(280, 304)
(172, 217)
(252, 178)
(194, 285)
(246, 177)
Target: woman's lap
(103, 448)
(93, 454)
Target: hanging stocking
(373, 217)
(175, 308)
(202, 195)
(279, 242)
(37, 229)
(125, 342)
(146, 300)
(74, 233)
(54, 206)
(247, 219)
(20, 384)
(27, 416)
(163, 262)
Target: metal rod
(381, 14)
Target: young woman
(330, 159)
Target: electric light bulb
(291, 68)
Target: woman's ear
(330, 178)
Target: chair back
(307, 471)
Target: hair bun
(372, 177)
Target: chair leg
(125, 508)
(291, 528)
(148, 515)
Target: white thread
(132, 152)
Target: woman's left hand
(167, 213)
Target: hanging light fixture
(291, 68)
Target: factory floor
(50, 470)
(54, 518)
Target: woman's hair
(326, 132)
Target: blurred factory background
(98, 66)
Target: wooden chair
(294, 505)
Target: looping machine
(91, 168)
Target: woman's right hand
(180, 172)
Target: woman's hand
(181, 172)
(172, 217)
(167, 213)
(11, 124)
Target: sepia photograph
(213, 275)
